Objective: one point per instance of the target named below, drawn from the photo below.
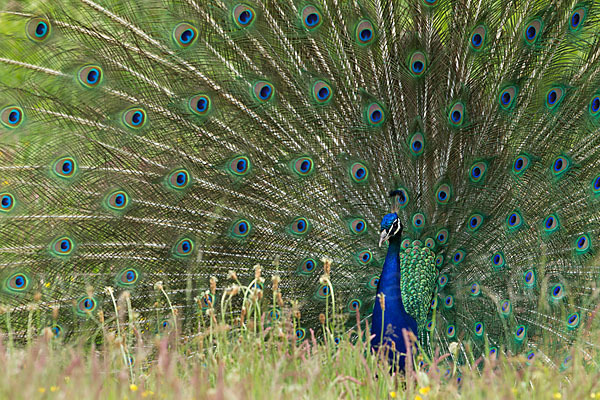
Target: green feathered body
(148, 146)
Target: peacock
(151, 147)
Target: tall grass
(255, 353)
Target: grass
(247, 354)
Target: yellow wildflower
(557, 395)
(54, 388)
(417, 397)
(42, 390)
(133, 387)
(393, 395)
(424, 390)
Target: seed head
(322, 318)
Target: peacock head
(391, 227)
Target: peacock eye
(375, 114)
(418, 220)
(354, 305)
(17, 283)
(311, 18)
(239, 166)
(62, 246)
(7, 202)
(90, 76)
(365, 33)
(478, 37)
(128, 277)
(498, 260)
(86, 305)
(243, 15)
(450, 331)
(200, 104)
(300, 226)
(577, 18)
(449, 302)
(179, 179)
(358, 226)
(56, 330)
(475, 222)
(364, 257)
(477, 172)
(582, 244)
(417, 64)
(38, 29)
(307, 266)
(506, 307)
(300, 334)
(557, 292)
(443, 194)
(514, 220)
(322, 92)
(359, 172)
(134, 118)
(560, 165)
(11, 117)
(185, 34)
(532, 31)
(241, 228)
(520, 332)
(456, 114)
(263, 91)
(183, 248)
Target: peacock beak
(385, 235)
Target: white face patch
(394, 230)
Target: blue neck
(395, 317)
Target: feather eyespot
(322, 92)
(117, 200)
(582, 243)
(532, 31)
(365, 33)
(475, 222)
(477, 172)
(493, 352)
(358, 226)
(478, 37)
(373, 282)
(406, 243)
(551, 223)
(65, 167)
(17, 283)
(439, 260)
(364, 257)
(557, 292)
(300, 334)
(62, 246)
(134, 118)
(506, 308)
(7, 202)
(514, 220)
(442, 236)
(323, 292)
(90, 76)
(243, 15)
(311, 18)
(263, 91)
(359, 172)
(401, 197)
(577, 18)
(430, 243)
(529, 278)
(241, 228)
(573, 320)
(520, 333)
(430, 3)
(12, 116)
(530, 357)
(300, 226)
(183, 248)
(560, 165)
(434, 303)
(478, 329)
(456, 114)
(56, 330)
(185, 34)
(595, 106)
(375, 114)
(354, 305)
(507, 97)
(498, 260)
(303, 166)
(443, 193)
(128, 277)
(307, 266)
(418, 220)
(596, 185)
(86, 305)
(179, 179)
(207, 301)
(458, 257)
(450, 331)
(442, 280)
(417, 64)
(38, 29)
(449, 301)
(475, 289)
(417, 144)
(554, 97)
(239, 166)
(200, 104)
(429, 326)
(521, 164)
